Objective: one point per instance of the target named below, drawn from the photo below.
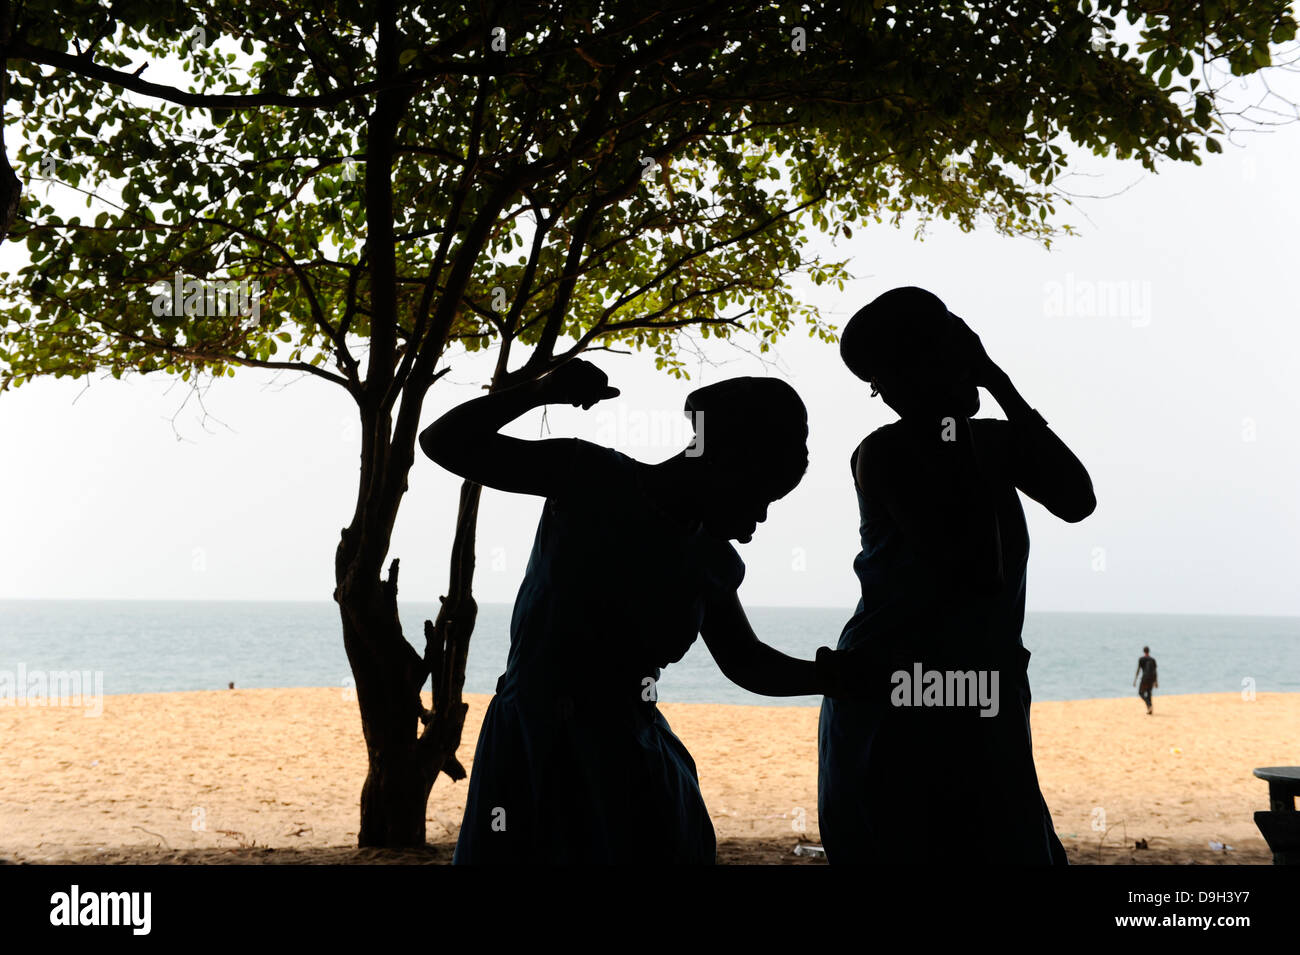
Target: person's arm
(940, 502)
(1033, 457)
(465, 440)
(749, 663)
(1040, 464)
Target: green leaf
(187, 177)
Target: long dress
(575, 763)
(925, 784)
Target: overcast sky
(1161, 345)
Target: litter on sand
(803, 849)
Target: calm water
(155, 646)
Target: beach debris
(94, 762)
(244, 841)
(1140, 844)
(156, 835)
(805, 849)
(1175, 751)
(1220, 846)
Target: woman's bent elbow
(433, 445)
(1080, 509)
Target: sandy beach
(274, 776)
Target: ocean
(163, 646)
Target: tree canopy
(398, 178)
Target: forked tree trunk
(389, 674)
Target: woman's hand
(971, 354)
(467, 439)
(576, 382)
(858, 673)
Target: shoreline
(225, 775)
(64, 702)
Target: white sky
(1183, 405)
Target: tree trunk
(388, 677)
(11, 190)
(389, 674)
(446, 647)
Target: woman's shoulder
(595, 469)
(991, 428)
(592, 453)
(719, 562)
(877, 448)
(884, 436)
(895, 438)
(995, 443)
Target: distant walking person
(1147, 670)
(942, 568)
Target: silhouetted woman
(922, 773)
(631, 561)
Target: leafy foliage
(597, 173)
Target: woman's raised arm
(1032, 456)
(466, 441)
(1037, 461)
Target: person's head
(1146, 649)
(751, 448)
(904, 344)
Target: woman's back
(920, 622)
(900, 587)
(575, 762)
(614, 589)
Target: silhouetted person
(1147, 670)
(631, 561)
(913, 777)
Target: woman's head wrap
(894, 331)
(754, 424)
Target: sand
(275, 775)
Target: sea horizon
(180, 645)
(503, 603)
